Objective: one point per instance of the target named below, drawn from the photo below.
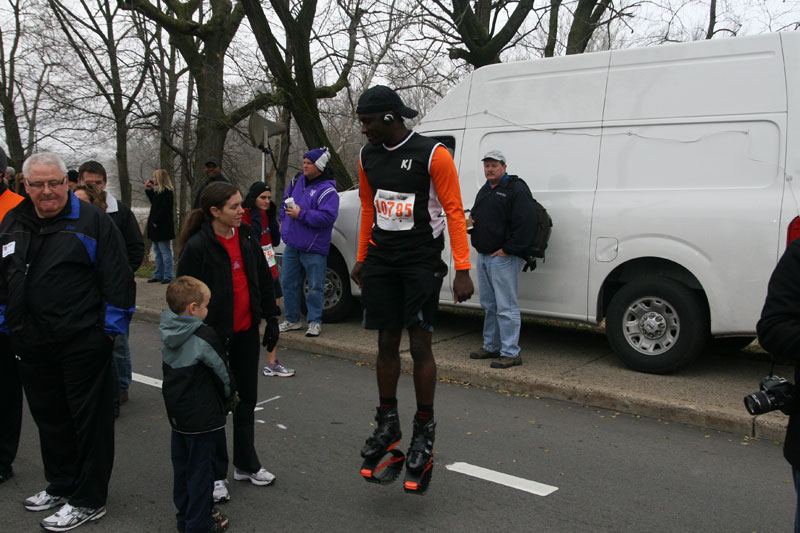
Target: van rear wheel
(656, 325)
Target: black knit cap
(381, 98)
(255, 191)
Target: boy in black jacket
(198, 394)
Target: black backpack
(544, 227)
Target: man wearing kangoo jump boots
(406, 182)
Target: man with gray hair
(52, 243)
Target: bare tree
(99, 36)
(202, 43)
(294, 77)
(474, 25)
(24, 77)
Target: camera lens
(757, 403)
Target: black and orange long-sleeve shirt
(405, 190)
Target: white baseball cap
(497, 155)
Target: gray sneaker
(262, 477)
(314, 329)
(278, 370)
(289, 326)
(43, 501)
(69, 517)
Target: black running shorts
(400, 288)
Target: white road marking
(139, 378)
(534, 487)
(146, 380)
(281, 426)
(266, 401)
(260, 421)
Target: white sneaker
(221, 493)
(278, 370)
(69, 517)
(42, 501)
(262, 477)
(289, 326)
(314, 329)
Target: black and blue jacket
(196, 379)
(62, 275)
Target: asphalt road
(612, 471)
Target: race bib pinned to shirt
(269, 255)
(394, 211)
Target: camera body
(774, 393)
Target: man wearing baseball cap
(213, 169)
(406, 181)
(504, 228)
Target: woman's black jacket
(160, 224)
(206, 259)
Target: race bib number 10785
(394, 210)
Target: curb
(736, 421)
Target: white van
(667, 172)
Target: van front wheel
(656, 325)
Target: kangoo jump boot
(419, 464)
(384, 440)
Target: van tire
(337, 299)
(657, 325)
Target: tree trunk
(187, 180)
(712, 19)
(122, 160)
(212, 127)
(16, 153)
(552, 29)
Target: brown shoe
(483, 354)
(123, 397)
(507, 362)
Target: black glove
(271, 334)
(232, 402)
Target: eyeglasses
(52, 184)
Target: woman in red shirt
(260, 215)
(233, 266)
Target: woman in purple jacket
(309, 209)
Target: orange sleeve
(8, 201)
(445, 180)
(367, 214)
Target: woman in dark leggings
(232, 264)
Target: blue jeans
(164, 263)
(294, 265)
(498, 283)
(122, 359)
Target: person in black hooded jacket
(779, 334)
